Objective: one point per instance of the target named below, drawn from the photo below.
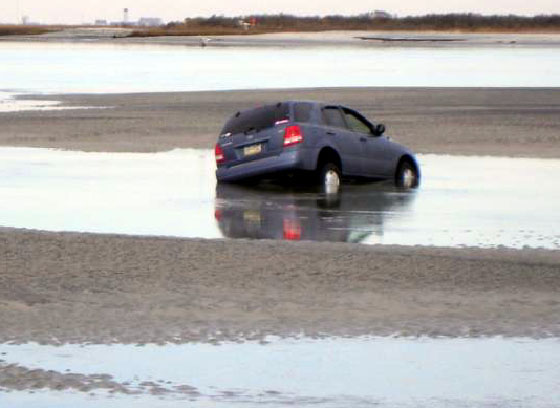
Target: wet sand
(487, 121)
(65, 287)
(17, 378)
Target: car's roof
(322, 103)
(290, 102)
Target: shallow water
(385, 372)
(472, 201)
(10, 103)
(102, 68)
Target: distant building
(26, 21)
(101, 22)
(150, 22)
(122, 23)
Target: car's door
(376, 155)
(347, 143)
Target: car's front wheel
(329, 178)
(406, 175)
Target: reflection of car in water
(325, 141)
(353, 215)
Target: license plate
(252, 216)
(251, 150)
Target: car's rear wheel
(406, 175)
(329, 178)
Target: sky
(85, 11)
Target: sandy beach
(487, 121)
(63, 287)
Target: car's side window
(332, 116)
(357, 124)
(302, 112)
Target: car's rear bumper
(287, 160)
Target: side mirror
(379, 129)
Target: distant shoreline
(258, 24)
(286, 38)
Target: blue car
(329, 142)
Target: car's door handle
(363, 139)
(331, 133)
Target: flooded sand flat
(463, 201)
(335, 372)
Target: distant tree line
(370, 22)
(258, 24)
(24, 30)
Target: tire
(406, 176)
(329, 178)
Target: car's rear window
(302, 112)
(257, 119)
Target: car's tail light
(292, 229)
(293, 135)
(219, 153)
(218, 214)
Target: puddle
(8, 103)
(463, 201)
(387, 372)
